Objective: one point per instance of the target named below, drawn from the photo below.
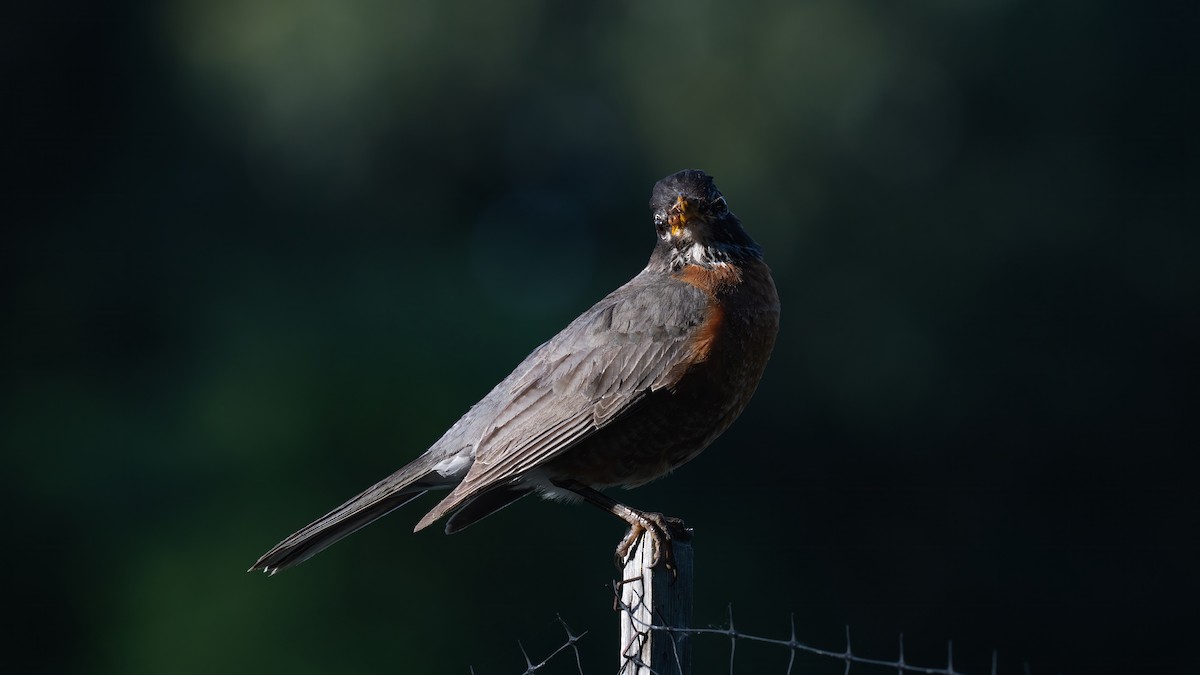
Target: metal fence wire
(567, 658)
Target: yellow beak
(679, 214)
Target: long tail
(376, 502)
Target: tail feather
(482, 506)
(376, 502)
(326, 531)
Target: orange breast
(716, 282)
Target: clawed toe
(626, 546)
(661, 531)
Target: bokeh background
(259, 254)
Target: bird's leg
(661, 529)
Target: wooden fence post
(650, 596)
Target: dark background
(256, 255)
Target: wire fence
(655, 616)
(844, 659)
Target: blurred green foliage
(260, 254)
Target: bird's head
(694, 223)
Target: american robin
(636, 386)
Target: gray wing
(637, 340)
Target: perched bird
(636, 386)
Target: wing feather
(599, 367)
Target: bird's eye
(659, 219)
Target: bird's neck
(672, 257)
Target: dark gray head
(694, 223)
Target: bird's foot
(662, 530)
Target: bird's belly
(643, 445)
